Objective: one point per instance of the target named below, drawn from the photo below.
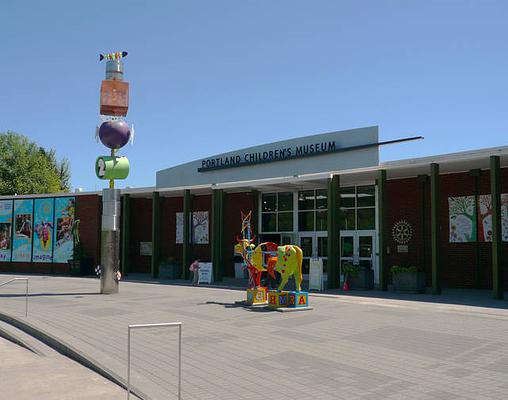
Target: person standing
(194, 268)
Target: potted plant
(79, 263)
(358, 277)
(407, 279)
(170, 269)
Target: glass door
(357, 248)
(307, 244)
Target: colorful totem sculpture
(114, 133)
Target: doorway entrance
(313, 245)
(357, 248)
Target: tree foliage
(26, 168)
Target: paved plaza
(348, 347)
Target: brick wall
(140, 223)
(463, 265)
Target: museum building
(446, 215)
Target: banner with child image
(5, 230)
(64, 222)
(22, 241)
(43, 231)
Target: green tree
(26, 168)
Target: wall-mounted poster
(504, 216)
(200, 227)
(22, 240)
(43, 231)
(179, 227)
(64, 221)
(5, 230)
(462, 214)
(485, 218)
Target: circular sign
(402, 232)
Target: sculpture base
(257, 296)
(288, 299)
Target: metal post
(26, 291)
(159, 325)
(497, 239)
(333, 266)
(381, 184)
(434, 210)
(110, 240)
(26, 299)
(128, 362)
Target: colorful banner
(462, 213)
(43, 231)
(5, 230)
(22, 243)
(64, 222)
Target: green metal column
(124, 264)
(255, 212)
(333, 223)
(218, 234)
(495, 190)
(434, 211)
(475, 173)
(155, 234)
(186, 245)
(381, 187)
(423, 180)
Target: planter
(409, 282)
(363, 281)
(75, 267)
(170, 271)
(81, 267)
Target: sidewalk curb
(70, 352)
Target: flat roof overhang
(449, 163)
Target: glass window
(306, 246)
(269, 201)
(366, 218)
(366, 196)
(347, 219)
(285, 220)
(285, 201)
(306, 221)
(322, 199)
(346, 246)
(321, 220)
(269, 222)
(347, 197)
(365, 246)
(322, 243)
(306, 200)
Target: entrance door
(313, 244)
(357, 248)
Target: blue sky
(212, 76)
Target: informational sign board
(43, 230)
(23, 230)
(205, 273)
(316, 274)
(5, 230)
(145, 248)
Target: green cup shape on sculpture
(112, 167)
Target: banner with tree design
(462, 212)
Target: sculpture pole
(114, 133)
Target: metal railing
(164, 324)
(26, 292)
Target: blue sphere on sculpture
(114, 134)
